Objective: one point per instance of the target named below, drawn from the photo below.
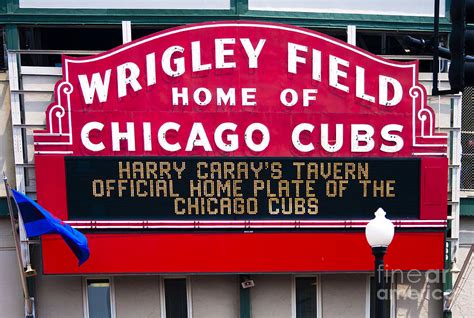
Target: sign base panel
(242, 253)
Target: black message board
(211, 188)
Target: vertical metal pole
(435, 91)
(126, 32)
(379, 290)
(456, 156)
(21, 267)
(351, 34)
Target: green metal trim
(119, 12)
(467, 207)
(3, 7)
(238, 11)
(3, 207)
(242, 6)
(111, 20)
(448, 275)
(245, 311)
(13, 38)
(180, 19)
(361, 21)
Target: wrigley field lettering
(224, 188)
(173, 64)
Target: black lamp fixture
(379, 233)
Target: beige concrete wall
(419, 296)
(466, 233)
(271, 296)
(137, 296)
(215, 296)
(463, 305)
(6, 139)
(58, 296)
(343, 295)
(11, 295)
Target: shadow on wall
(419, 294)
(6, 139)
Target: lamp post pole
(379, 275)
(379, 233)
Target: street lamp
(379, 233)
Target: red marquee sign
(239, 89)
(237, 97)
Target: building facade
(198, 284)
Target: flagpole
(28, 302)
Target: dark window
(141, 31)
(340, 34)
(391, 43)
(176, 299)
(98, 298)
(70, 38)
(388, 284)
(93, 38)
(371, 42)
(306, 293)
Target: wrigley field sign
(239, 121)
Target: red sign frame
(281, 91)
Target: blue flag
(38, 221)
